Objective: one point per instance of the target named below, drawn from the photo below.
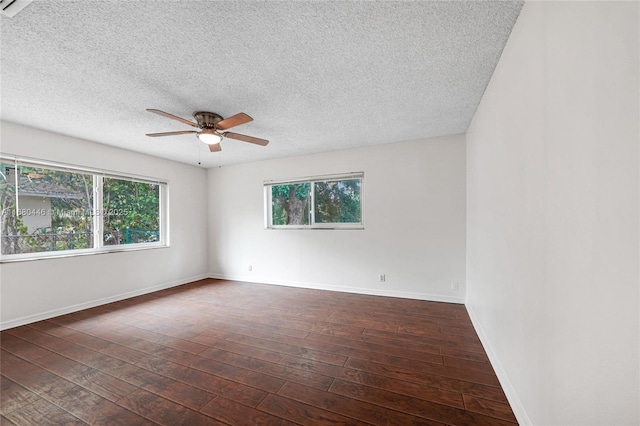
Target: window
(49, 209)
(132, 212)
(319, 202)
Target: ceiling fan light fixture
(209, 136)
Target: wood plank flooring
(216, 352)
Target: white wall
(414, 214)
(33, 290)
(552, 218)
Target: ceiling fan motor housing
(207, 120)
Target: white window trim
(313, 225)
(98, 175)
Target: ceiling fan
(212, 128)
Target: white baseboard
(74, 308)
(358, 290)
(509, 390)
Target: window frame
(98, 175)
(268, 202)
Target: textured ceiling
(315, 76)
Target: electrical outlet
(383, 278)
(455, 286)
(250, 268)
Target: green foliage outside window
(59, 202)
(52, 209)
(131, 211)
(317, 203)
(291, 204)
(338, 201)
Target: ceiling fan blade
(215, 147)
(233, 121)
(246, 138)
(181, 132)
(174, 117)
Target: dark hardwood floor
(217, 352)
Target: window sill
(66, 254)
(316, 228)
